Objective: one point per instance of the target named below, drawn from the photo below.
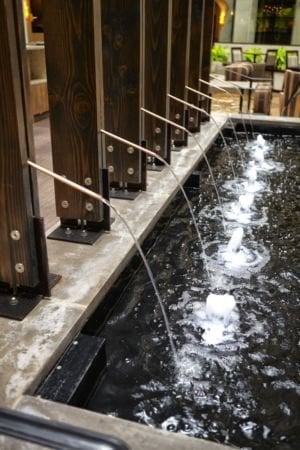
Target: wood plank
(156, 73)
(195, 61)
(69, 28)
(206, 49)
(181, 20)
(121, 39)
(16, 197)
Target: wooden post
(121, 39)
(181, 24)
(73, 63)
(23, 263)
(206, 52)
(195, 61)
(156, 29)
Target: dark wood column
(23, 262)
(181, 23)
(156, 74)
(208, 21)
(121, 40)
(75, 83)
(195, 61)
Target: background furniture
(292, 58)
(270, 62)
(262, 98)
(290, 96)
(236, 54)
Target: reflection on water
(238, 379)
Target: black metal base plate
(155, 167)
(123, 195)
(77, 236)
(17, 307)
(77, 371)
(176, 149)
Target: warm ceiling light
(26, 9)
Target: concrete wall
(245, 21)
(296, 29)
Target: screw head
(130, 150)
(111, 169)
(177, 116)
(110, 148)
(157, 148)
(88, 181)
(177, 131)
(89, 206)
(13, 301)
(65, 204)
(130, 171)
(15, 235)
(19, 267)
(157, 130)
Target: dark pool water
(245, 388)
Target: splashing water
(217, 318)
(246, 201)
(235, 242)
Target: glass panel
(275, 21)
(257, 21)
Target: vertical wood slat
(195, 61)
(16, 197)
(181, 19)
(73, 97)
(156, 73)
(206, 50)
(121, 40)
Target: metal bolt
(19, 267)
(89, 206)
(157, 130)
(111, 169)
(13, 301)
(130, 171)
(15, 235)
(130, 150)
(157, 148)
(65, 204)
(177, 116)
(88, 181)
(110, 148)
(177, 131)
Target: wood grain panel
(195, 60)
(121, 21)
(71, 73)
(207, 43)
(181, 17)
(15, 187)
(156, 73)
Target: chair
(262, 98)
(236, 54)
(289, 99)
(238, 71)
(292, 59)
(270, 62)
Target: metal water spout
(235, 242)
(245, 201)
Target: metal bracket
(123, 194)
